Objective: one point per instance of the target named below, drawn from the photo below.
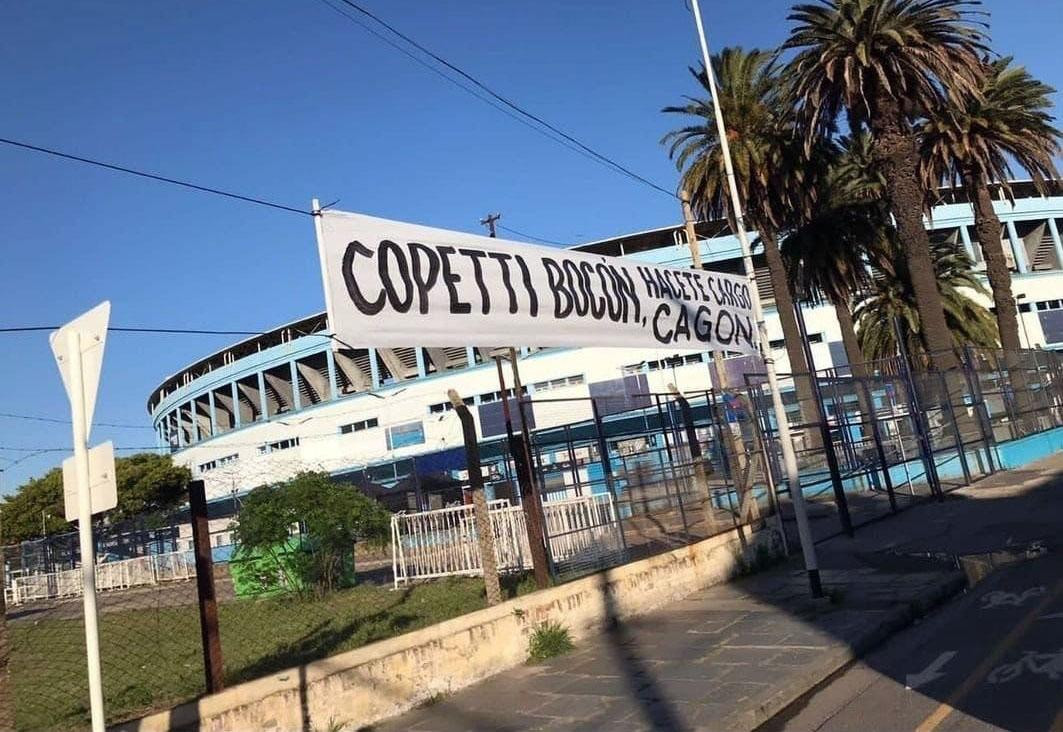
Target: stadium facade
(270, 406)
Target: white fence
(148, 570)
(583, 533)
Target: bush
(331, 517)
(548, 640)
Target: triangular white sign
(93, 329)
(103, 486)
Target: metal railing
(148, 570)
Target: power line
(53, 420)
(152, 176)
(464, 87)
(600, 157)
(529, 236)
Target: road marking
(930, 673)
(1051, 617)
(1006, 643)
(999, 598)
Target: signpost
(78, 347)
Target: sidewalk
(729, 657)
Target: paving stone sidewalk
(730, 657)
(725, 658)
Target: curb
(894, 620)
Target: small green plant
(548, 640)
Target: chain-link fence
(609, 477)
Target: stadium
(285, 401)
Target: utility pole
(782, 421)
(489, 221)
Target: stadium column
(236, 404)
(330, 360)
(263, 400)
(296, 397)
(213, 413)
(968, 245)
(1018, 248)
(1053, 229)
(374, 369)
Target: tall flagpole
(785, 439)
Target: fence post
(915, 412)
(960, 449)
(701, 480)
(213, 665)
(978, 400)
(7, 697)
(485, 533)
(877, 437)
(671, 463)
(607, 468)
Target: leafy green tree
(331, 516)
(881, 62)
(972, 141)
(147, 483)
(892, 296)
(769, 163)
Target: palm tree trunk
(987, 229)
(896, 152)
(853, 353)
(784, 304)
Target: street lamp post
(1022, 320)
(782, 422)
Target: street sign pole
(78, 414)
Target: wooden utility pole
(485, 533)
(213, 665)
(7, 698)
(734, 445)
(489, 221)
(530, 500)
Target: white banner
(393, 284)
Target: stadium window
(815, 337)
(278, 445)
(218, 462)
(781, 343)
(360, 425)
(559, 383)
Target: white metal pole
(88, 554)
(785, 439)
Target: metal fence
(443, 542)
(622, 476)
(120, 575)
(877, 437)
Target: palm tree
(768, 171)
(973, 141)
(829, 252)
(880, 62)
(891, 297)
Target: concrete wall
(383, 679)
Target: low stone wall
(386, 678)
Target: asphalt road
(990, 660)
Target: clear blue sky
(286, 100)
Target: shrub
(331, 517)
(548, 640)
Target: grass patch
(151, 656)
(548, 640)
